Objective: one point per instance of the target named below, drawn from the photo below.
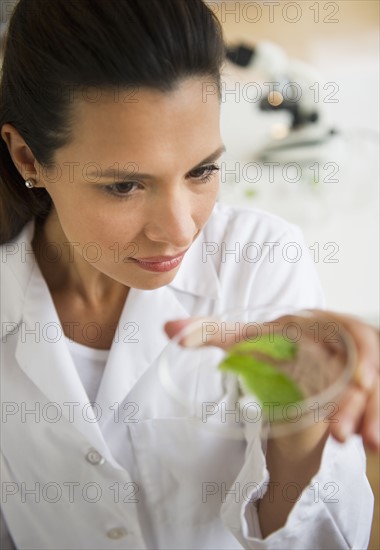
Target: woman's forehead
(153, 121)
(191, 95)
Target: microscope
(296, 88)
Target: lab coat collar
(196, 275)
(44, 357)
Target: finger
(367, 345)
(207, 331)
(194, 331)
(174, 327)
(366, 339)
(370, 428)
(349, 417)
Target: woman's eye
(120, 189)
(124, 190)
(204, 173)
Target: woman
(110, 230)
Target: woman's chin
(154, 280)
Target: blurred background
(313, 158)
(300, 119)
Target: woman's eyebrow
(120, 172)
(216, 154)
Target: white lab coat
(139, 476)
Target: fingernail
(194, 339)
(346, 428)
(369, 376)
(200, 333)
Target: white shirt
(90, 364)
(132, 472)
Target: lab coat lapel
(138, 341)
(42, 354)
(140, 336)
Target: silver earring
(29, 183)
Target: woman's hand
(359, 406)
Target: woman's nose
(171, 221)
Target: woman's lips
(159, 264)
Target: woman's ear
(22, 156)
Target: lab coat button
(93, 457)
(116, 533)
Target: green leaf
(260, 377)
(273, 345)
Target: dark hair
(55, 47)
